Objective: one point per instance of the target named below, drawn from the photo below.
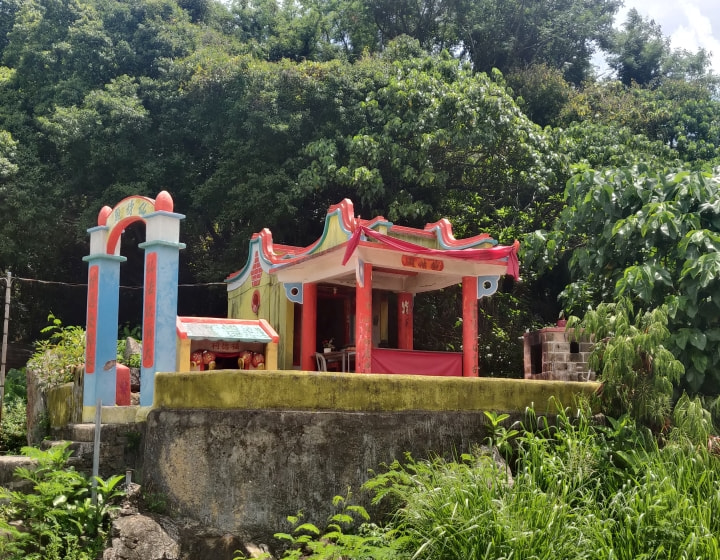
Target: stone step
(82, 432)
(8, 464)
(78, 448)
(82, 453)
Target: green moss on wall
(237, 389)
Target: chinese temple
(346, 301)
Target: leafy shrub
(691, 421)
(59, 520)
(57, 357)
(129, 331)
(133, 361)
(632, 359)
(16, 384)
(155, 502)
(13, 430)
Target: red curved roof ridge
(276, 254)
(346, 213)
(349, 220)
(443, 229)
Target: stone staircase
(81, 438)
(121, 447)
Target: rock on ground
(138, 537)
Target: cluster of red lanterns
(206, 360)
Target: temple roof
(229, 330)
(403, 258)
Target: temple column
(308, 327)
(470, 326)
(363, 318)
(405, 321)
(162, 255)
(101, 323)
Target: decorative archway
(162, 247)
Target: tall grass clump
(574, 489)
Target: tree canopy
(262, 113)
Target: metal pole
(96, 451)
(3, 355)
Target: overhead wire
(79, 285)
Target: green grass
(578, 491)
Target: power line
(77, 285)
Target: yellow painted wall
(275, 308)
(235, 389)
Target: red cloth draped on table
(416, 362)
(483, 254)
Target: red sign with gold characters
(92, 317)
(422, 263)
(149, 312)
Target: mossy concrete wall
(64, 402)
(242, 450)
(243, 389)
(61, 405)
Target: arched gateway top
(127, 211)
(161, 246)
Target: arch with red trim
(162, 246)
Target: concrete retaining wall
(242, 450)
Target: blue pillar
(102, 321)
(160, 300)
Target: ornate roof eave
(393, 270)
(276, 258)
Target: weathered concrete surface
(8, 464)
(245, 471)
(297, 390)
(239, 451)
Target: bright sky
(690, 24)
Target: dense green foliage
(261, 114)
(13, 430)
(58, 519)
(631, 357)
(650, 236)
(57, 357)
(577, 490)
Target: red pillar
(363, 320)
(470, 326)
(122, 385)
(308, 326)
(405, 321)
